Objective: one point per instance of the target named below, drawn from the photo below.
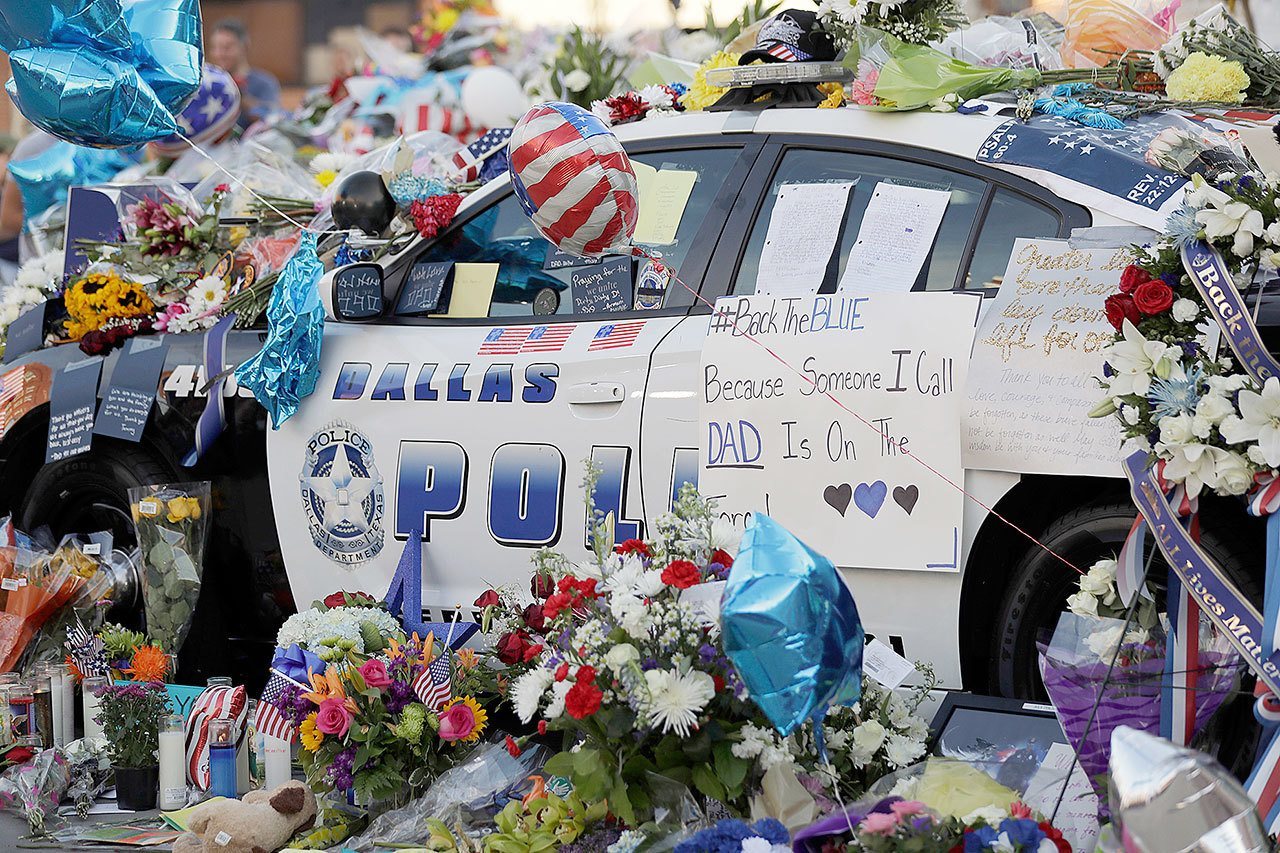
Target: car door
(480, 427)
(987, 211)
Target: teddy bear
(261, 822)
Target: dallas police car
(471, 431)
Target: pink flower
(456, 722)
(906, 808)
(375, 675)
(166, 316)
(879, 824)
(864, 87)
(333, 717)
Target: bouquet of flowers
(130, 718)
(913, 21)
(36, 787)
(35, 587)
(344, 623)
(116, 652)
(763, 836)
(106, 305)
(366, 727)
(895, 825)
(628, 664)
(1213, 57)
(583, 70)
(172, 521)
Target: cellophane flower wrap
(172, 521)
(36, 787)
(623, 656)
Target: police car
(471, 432)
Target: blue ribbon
(1209, 273)
(213, 420)
(1239, 621)
(297, 663)
(1271, 597)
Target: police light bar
(741, 76)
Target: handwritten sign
(72, 403)
(558, 260)
(132, 389)
(421, 291)
(840, 475)
(601, 288)
(895, 238)
(26, 333)
(804, 230)
(1037, 350)
(357, 291)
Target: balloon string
(990, 510)
(244, 186)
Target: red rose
(583, 700)
(1132, 277)
(511, 647)
(335, 599)
(722, 557)
(513, 748)
(222, 188)
(1153, 297)
(633, 546)
(488, 598)
(534, 618)
(681, 574)
(718, 682)
(542, 586)
(1120, 307)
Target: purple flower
(648, 664)
(1173, 279)
(707, 653)
(398, 697)
(1107, 371)
(1189, 348)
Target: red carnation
(681, 574)
(513, 748)
(585, 673)
(1120, 307)
(433, 214)
(1153, 297)
(542, 727)
(534, 618)
(512, 646)
(488, 598)
(222, 188)
(531, 652)
(1132, 277)
(583, 700)
(562, 672)
(633, 546)
(626, 107)
(554, 604)
(1053, 834)
(722, 557)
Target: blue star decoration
(404, 599)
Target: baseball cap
(792, 35)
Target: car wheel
(1039, 585)
(90, 492)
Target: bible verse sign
(841, 475)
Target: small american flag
(469, 160)
(271, 721)
(11, 383)
(782, 52)
(86, 650)
(502, 341)
(547, 338)
(616, 335)
(435, 685)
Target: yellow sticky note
(663, 199)
(472, 290)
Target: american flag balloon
(574, 180)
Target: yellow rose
(178, 509)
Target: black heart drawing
(906, 498)
(838, 497)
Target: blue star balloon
(285, 370)
(84, 96)
(37, 23)
(791, 628)
(45, 178)
(168, 48)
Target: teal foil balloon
(35, 23)
(84, 96)
(285, 370)
(168, 48)
(46, 178)
(791, 628)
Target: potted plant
(130, 718)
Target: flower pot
(136, 787)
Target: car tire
(1039, 585)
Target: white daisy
(675, 700)
(331, 161)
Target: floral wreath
(1175, 389)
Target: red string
(869, 424)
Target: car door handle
(595, 393)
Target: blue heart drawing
(869, 497)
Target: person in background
(259, 91)
(11, 212)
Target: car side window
(503, 234)
(1009, 217)
(805, 166)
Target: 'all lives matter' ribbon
(1212, 592)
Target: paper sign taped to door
(804, 229)
(662, 203)
(472, 290)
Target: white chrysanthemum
(42, 273)
(676, 700)
(210, 290)
(902, 750)
(725, 536)
(527, 692)
(555, 707)
(657, 97)
(331, 161)
(577, 80)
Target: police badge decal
(342, 494)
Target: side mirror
(357, 293)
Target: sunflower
(482, 717)
(310, 735)
(149, 663)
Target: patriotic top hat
(209, 117)
(792, 35)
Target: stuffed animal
(262, 822)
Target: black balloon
(363, 202)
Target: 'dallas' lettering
(461, 383)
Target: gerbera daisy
(311, 736)
(149, 663)
(480, 715)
